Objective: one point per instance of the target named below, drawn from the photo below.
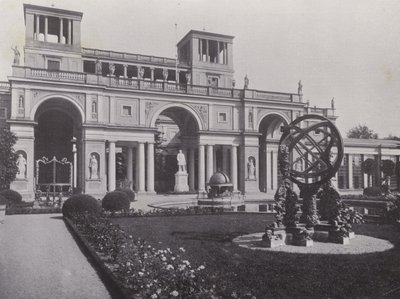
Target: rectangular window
(53, 65)
(126, 110)
(222, 118)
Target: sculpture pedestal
(181, 182)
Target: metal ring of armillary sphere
(315, 149)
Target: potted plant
(3, 204)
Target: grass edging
(116, 289)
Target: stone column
(46, 27)
(191, 169)
(274, 169)
(125, 71)
(150, 168)
(61, 29)
(350, 167)
(69, 32)
(141, 171)
(152, 73)
(129, 169)
(210, 162)
(177, 76)
(234, 165)
(225, 160)
(215, 159)
(74, 150)
(365, 176)
(201, 170)
(268, 170)
(111, 166)
(37, 27)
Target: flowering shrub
(196, 210)
(80, 203)
(115, 201)
(393, 213)
(145, 271)
(372, 191)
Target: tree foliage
(369, 166)
(388, 167)
(361, 132)
(8, 157)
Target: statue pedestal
(181, 182)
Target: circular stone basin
(359, 245)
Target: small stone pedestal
(181, 182)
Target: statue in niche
(246, 82)
(181, 161)
(17, 55)
(251, 169)
(99, 68)
(165, 74)
(21, 165)
(94, 107)
(188, 77)
(93, 167)
(111, 68)
(233, 83)
(141, 73)
(300, 88)
(21, 102)
(250, 119)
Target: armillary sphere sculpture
(311, 151)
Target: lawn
(207, 240)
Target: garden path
(40, 259)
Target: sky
(348, 50)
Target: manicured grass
(207, 240)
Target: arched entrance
(58, 136)
(270, 129)
(177, 130)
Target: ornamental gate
(53, 178)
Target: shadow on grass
(207, 240)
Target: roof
(206, 33)
(372, 143)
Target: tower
(52, 38)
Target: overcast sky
(349, 50)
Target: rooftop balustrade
(5, 85)
(95, 53)
(148, 85)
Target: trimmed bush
(80, 203)
(115, 201)
(3, 200)
(12, 197)
(131, 194)
(372, 191)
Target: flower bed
(143, 271)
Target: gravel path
(40, 259)
(359, 245)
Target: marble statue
(300, 88)
(21, 165)
(17, 55)
(99, 68)
(181, 161)
(251, 169)
(93, 167)
(188, 77)
(141, 73)
(112, 69)
(333, 103)
(246, 82)
(165, 74)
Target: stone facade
(112, 105)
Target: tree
(8, 157)
(361, 132)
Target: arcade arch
(58, 134)
(270, 134)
